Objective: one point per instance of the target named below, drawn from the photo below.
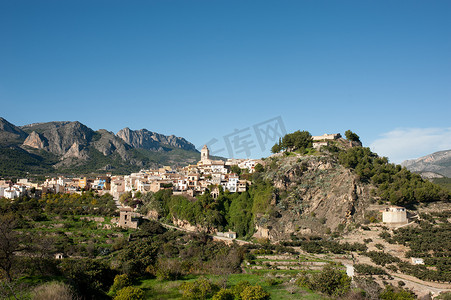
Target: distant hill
(435, 165)
(10, 134)
(72, 147)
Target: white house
(232, 184)
(229, 234)
(11, 193)
(417, 261)
(394, 215)
(218, 167)
(182, 184)
(249, 164)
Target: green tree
(151, 227)
(235, 169)
(259, 168)
(90, 277)
(330, 281)
(276, 148)
(297, 140)
(125, 196)
(130, 293)
(9, 244)
(138, 255)
(240, 214)
(351, 136)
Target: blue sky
(201, 69)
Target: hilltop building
(323, 140)
(326, 137)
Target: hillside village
(189, 180)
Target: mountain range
(435, 165)
(72, 147)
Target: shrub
(390, 293)
(224, 294)
(303, 280)
(239, 287)
(53, 291)
(379, 246)
(130, 293)
(120, 281)
(254, 292)
(202, 288)
(444, 296)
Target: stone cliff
(146, 139)
(312, 195)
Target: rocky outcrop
(35, 140)
(108, 144)
(313, 195)
(146, 139)
(74, 156)
(75, 151)
(189, 227)
(60, 136)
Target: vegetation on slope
(431, 240)
(229, 211)
(394, 183)
(18, 162)
(444, 182)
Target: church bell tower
(204, 154)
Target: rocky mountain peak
(146, 139)
(9, 133)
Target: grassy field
(280, 283)
(281, 289)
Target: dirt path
(421, 287)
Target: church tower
(204, 154)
